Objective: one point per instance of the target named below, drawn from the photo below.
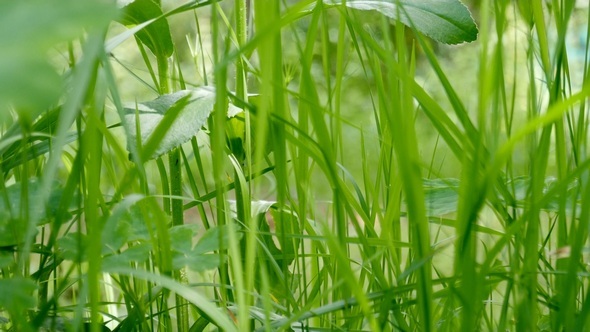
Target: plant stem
(176, 206)
(177, 220)
(243, 201)
(218, 147)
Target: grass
(364, 178)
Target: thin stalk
(176, 204)
(243, 201)
(218, 145)
(92, 143)
(175, 169)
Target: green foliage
(204, 256)
(155, 36)
(128, 236)
(15, 208)
(236, 129)
(17, 294)
(177, 117)
(446, 21)
(28, 30)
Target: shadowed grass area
(358, 165)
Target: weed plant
(294, 165)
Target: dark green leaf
(155, 36)
(446, 21)
(286, 223)
(16, 147)
(13, 210)
(236, 135)
(31, 152)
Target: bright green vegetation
(308, 165)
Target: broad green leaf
(155, 36)
(125, 224)
(139, 221)
(200, 258)
(135, 254)
(446, 21)
(521, 185)
(188, 122)
(441, 195)
(13, 209)
(17, 293)
(181, 238)
(28, 30)
(117, 40)
(210, 241)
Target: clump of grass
(280, 180)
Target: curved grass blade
(194, 297)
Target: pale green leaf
(187, 124)
(116, 230)
(441, 195)
(28, 29)
(181, 238)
